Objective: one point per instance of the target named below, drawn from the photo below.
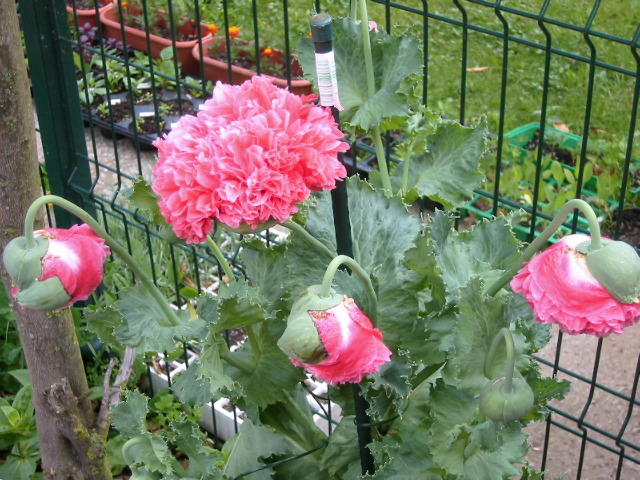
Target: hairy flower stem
(113, 245)
(300, 230)
(538, 242)
(327, 280)
(371, 90)
(505, 334)
(221, 260)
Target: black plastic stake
(322, 39)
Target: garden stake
(325, 67)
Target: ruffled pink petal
(560, 289)
(354, 347)
(251, 154)
(76, 256)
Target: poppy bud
(583, 290)
(63, 267)
(331, 338)
(502, 403)
(616, 265)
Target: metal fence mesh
(561, 65)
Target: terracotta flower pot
(86, 16)
(218, 70)
(111, 27)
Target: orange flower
(124, 4)
(268, 52)
(212, 28)
(234, 31)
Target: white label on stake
(115, 101)
(146, 114)
(144, 86)
(327, 80)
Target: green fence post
(53, 79)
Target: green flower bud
(501, 405)
(48, 294)
(23, 264)
(616, 265)
(301, 340)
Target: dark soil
(150, 125)
(186, 108)
(555, 151)
(235, 336)
(119, 113)
(634, 179)
(629, 227)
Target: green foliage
(18, 434)
(396, 60)
(149, 455)
(452, 149)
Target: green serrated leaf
(141, 327)
(103, 322)
(129, 416)
(142, 197)
(191, 386)
(248, 449)
(203, 461)
(210, 369)
(261, 369)
(149, 451)
(449, 170)
(469, 449)
(478, 321)
(402, 451)
(240, 305)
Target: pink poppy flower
(349, 346)
(70, 267)
(250, 154)
(560, 289)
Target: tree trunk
(64, 416)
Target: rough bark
(51, 349)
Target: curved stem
(327, 280)
(300, 230)
(505, 334)
(221, 259)
(113, 245)
(538, 242)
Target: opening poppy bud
(616, 265)
(301, 340)
(331, 338)
(582, 290)
(503, 404)
(64, 266)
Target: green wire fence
(544, 72)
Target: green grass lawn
(567, 78)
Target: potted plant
(241, 62)
(85, 11)
(155, 31)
